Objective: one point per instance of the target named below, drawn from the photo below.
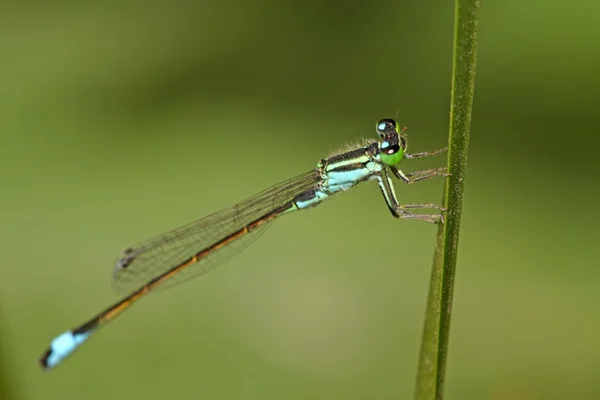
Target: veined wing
(152, 258)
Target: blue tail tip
(61, 347)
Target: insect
(193, 249)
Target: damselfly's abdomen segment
(309, 199)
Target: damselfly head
(393, 141)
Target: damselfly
(193, 249)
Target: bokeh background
(120, 120)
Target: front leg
(402, 211)
(426, 153)
(421, 175)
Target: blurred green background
(120, 120)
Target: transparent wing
(149, 259)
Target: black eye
(391, 149)
(386, 126)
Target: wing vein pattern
(159, 254)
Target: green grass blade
(7, 382)
(434, 347)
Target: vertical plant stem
(7, 383)
(434, 347)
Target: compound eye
(385, 127)
(390, 150)
(392, 155)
